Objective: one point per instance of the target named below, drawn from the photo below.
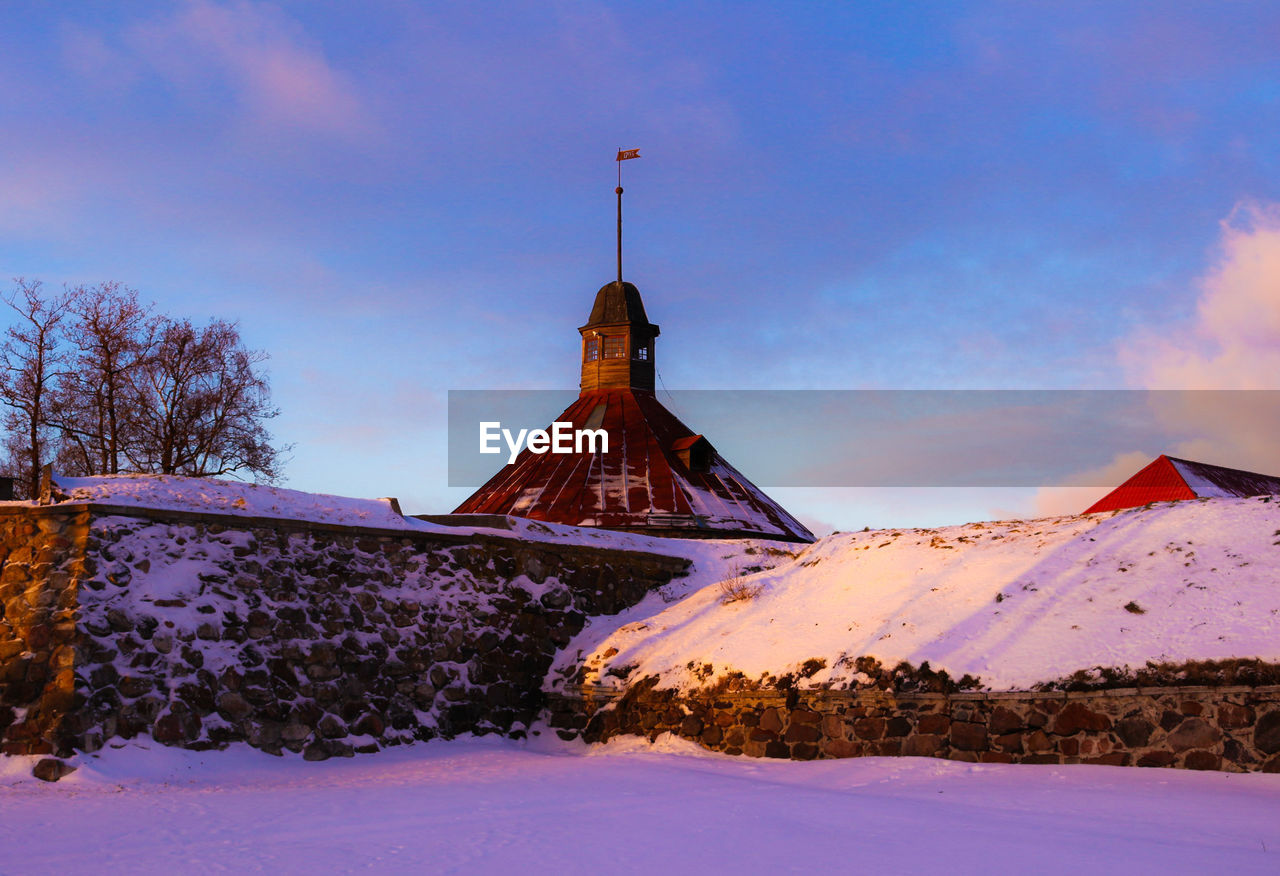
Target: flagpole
(619, 193)
(623, 155)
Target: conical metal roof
(657, 477)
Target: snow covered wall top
(209, 495)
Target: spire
(617, 341)
(623, 155)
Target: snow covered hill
(1014, 603)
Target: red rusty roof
(640, 484)
(1170, 479)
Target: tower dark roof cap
(617, 302)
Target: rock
(556, 598)
(1010, 742)
(1156, 759)
(922, 745)
(294, 732)
(869, 728)
(934, 724)
(804, 751)
(897, 726)
(172, 728)
(1004, 721)
(832, 726)
(265, 735)
(1201, 760)
(330, 726)
(233, 707)
(802, 733)
(771, 720)
(1134, 732)
(1115, 758)
(1193, 733)
(50, 769)
(135, 685)
(1266, 736)
(1038, 741)
(315, 751)
(1075, 717)
(841, 748)
(777, 749)
(968, 736)
(1233, 717)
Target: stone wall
(1231, 728)
(202, 630)
(42, 561)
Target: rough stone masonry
(202, 629)
(1236, 729)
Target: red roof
(640, 484)
(1169, 479)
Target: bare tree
(199, 404)
(111, 335)
(32, 360)
(96, 384)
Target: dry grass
(735, 588)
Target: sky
(396, 200)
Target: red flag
(624, 154)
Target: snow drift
(1014, 603)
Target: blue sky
(399, 199)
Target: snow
(1013, 603)
(236, 498)
(213, 496)
(499, 806)
(1201, 486)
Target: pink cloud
(278, 77)
(1233, 341)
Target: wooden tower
(658, 476)
(617, 341)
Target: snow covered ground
(1013, 602)
(497, 806)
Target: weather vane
(623, 155)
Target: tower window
(642, 352)
(592, 350)
(615, 348)
(695, 452)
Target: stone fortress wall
(206, 629)
(1235, 729)
(203, 629)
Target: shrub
(735, 587)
